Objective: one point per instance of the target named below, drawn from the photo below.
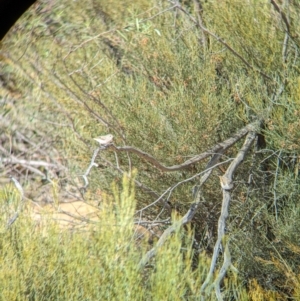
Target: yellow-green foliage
(257, 293)
(51, 264)
(45, 263)
(150, 80)
(172, 266)
(284, 126)
(138, 70)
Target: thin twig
(275, 186)
(137, 183)
(198, 11)
(285, 19)
(218, 39)
(171, 188)
(282, 14)
(188, 216)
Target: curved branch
(218, 148)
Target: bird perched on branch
(105, 140)
(225, 183)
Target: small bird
(225, 183)
(105, 140)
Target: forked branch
(193, 208)
(222, 220)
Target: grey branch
(224, 214)
(85, 175)
(188, 216)
(218, 148)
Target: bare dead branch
(218, 148)
(91, 165)
(226, 265)
(225, 209)
(169, 191)
(187, 217)
(14, 160)
(28, 164)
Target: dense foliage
(171, 79)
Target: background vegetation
(171, 79)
